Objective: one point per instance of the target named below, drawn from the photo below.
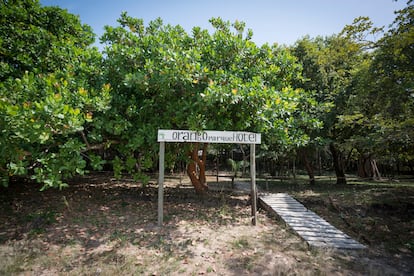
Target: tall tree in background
(380, 115)
(369, 83)
(50, 87)
(328, 65)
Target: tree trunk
(367, 167)
(294, 168)
(318, 151)
(196, 169)
(244, 161)
(375, 171)
(309, 168)
(361, 167)
(338, 162)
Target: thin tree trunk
(348, 159)
(319, 161)
(244, 161)
(375, 171)
(294, 168)
(309, 168)
(367, 167)
(202, 165)
(196, 169)
(361, 168)
(338, 163)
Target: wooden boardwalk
(313, 229)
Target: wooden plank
(310, 234)
(321, 230)
(312, 228)
(310, 225)
(356, 246)
(286, 204)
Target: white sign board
(207, 136)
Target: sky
(272, 21)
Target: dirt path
(99, 226)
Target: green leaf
(96, 162)
(44, 137)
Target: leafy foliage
(379, 113)
(48, 93)
(368, 83)
(64, 107)
(166, 78)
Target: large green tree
(50, 87)
(328, 67)
(368, 82)
(380, 112)
(163, 77)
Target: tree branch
(97, 146)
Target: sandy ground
(100, 226)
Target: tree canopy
(380, 109)
(65, 107)
(50, 86)
(163, 77)
(368, 83)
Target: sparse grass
(241, 243)
(118, 236)
(410, 244)
(111, 230)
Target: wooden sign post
(223, 137)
